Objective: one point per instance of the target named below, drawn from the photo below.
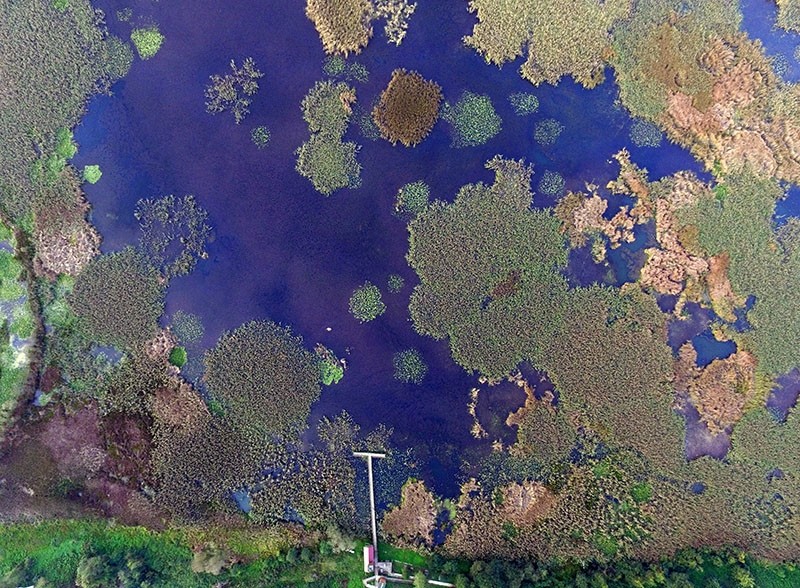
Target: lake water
(284, 252)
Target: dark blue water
(709, 348)
(283, 251)
(785, 393)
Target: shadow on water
(283, 251)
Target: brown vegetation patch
(159, 347)
(408, 108)
(526, 503)
(343, 25)
(723, 298)
(129, 445)
(507, 286)
(180, 408)
(75, 442)
(721, 390)
(412, 522)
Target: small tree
(420, 579)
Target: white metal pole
(374, 523)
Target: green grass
(147, 41)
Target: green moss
(330, 373)
(642, 492)
(409, 366)
(473, 119)
(60, 5)
(10, 274)
(147, 41)
(92, 173)
(178, 356)
(22, 324)
(366, 303)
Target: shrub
(547, 131)
(473, 119)
(260, 137)
(178, 357)
(232, 91)
(147, 41)
(119, 297)
(366, 303)
(524, 103)
(343, 25)
(408, 108)
(326, 108)
(412, 199)
(642, 492)
(409, 366)
(92, 173)
(264, 378)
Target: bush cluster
(147, 41)
(412, 199)
(366, 303)
(232, 92)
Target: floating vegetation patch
(119, 297)
(551, 183)
(412, 199)
(547, 131)
(557, 45)
(409, 366)
(232, 92)
(174, 232)
(646, 134)
(92, 173)
(395, 283)
(344, 26)
(325, 159)
(278, 401)
(408, 108)
(335, 66)
(187, 327)
(147, 41)
(260, 136)
(524, 103)
(366, 303)
(473, 119)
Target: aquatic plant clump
(551, 183)
(473, 119)
(561, 38)
(547, 131)
(524, 103)
(409, 366)
(92, 173)
(408, 108)
(344, 26)
(646, 134)
(395, 283)
(260, 136)
(412, 199)
(174, 232)
(119, 297)
(232, 92)
(366, 303)
(187, 327)
(263, 377)
(325, 159)
(147, 41)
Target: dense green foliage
(92, 173)
(741, 225)
(174, 232)
(147, 41)
(178, 356)
(473, 119)
(556, 44)
(325, 159)
(263, 377)
(484, 261)
(409, 366)
(120, 297)
(366, 303)
(55, 61)
(412, 199)
(233, 91)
